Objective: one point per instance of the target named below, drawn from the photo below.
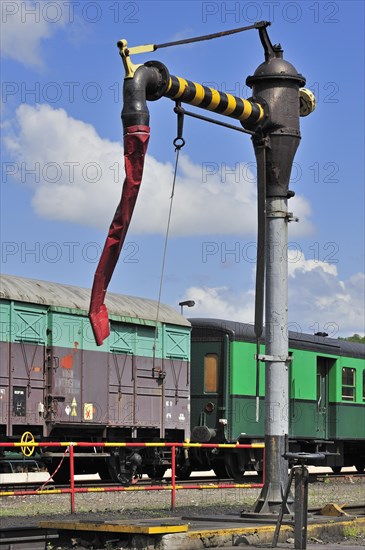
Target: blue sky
(62, 164)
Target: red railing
(72, 490)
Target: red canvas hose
(135, 146)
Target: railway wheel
(360, 467)
(125, 466)
(183, 472)
(62, 475)
(183, 468)
(220, 470)
(235, 466)
(155, 471)
(103, 471)
(336, 469)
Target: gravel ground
(30, 510)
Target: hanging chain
(178, 143)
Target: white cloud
(221, 303)
(24, 25)
(318, 298)
(298, 264)
(318, 301)
(70, 155)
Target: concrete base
(253, 517)
(198, 534)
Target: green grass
(353, 531)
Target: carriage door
(323, 365)
(207, 405)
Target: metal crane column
(276, 84)
(276, 379)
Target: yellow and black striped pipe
(245, 111)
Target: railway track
(26, 538)
(254, 478)
(105, 484)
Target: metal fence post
(173, 479)
(301, 507)
(72, 478)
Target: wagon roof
(299, 340)
(59, 295)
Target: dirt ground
(102, 506)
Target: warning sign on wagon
(88, 411)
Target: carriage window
(348, 384)
(211, 373)
(19, 401)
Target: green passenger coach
(326, 389)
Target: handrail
(72, 490)
(184, 444)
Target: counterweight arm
(248, 112)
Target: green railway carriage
(56, 384)
(326, 391)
